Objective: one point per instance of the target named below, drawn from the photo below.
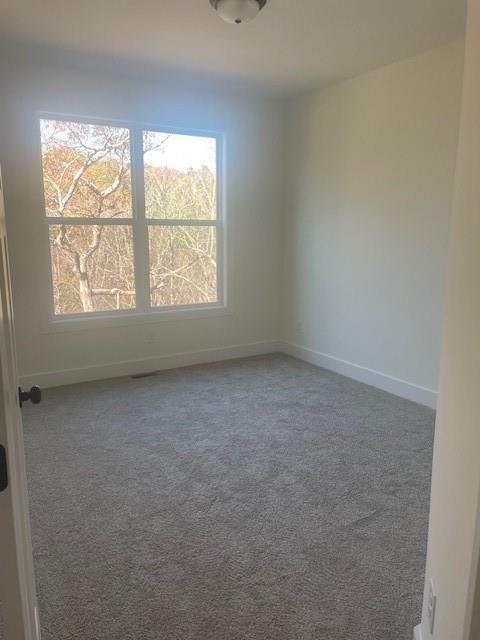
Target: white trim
(19, 599)
(129, 317)
(408, 390)
(402, 388)
(145, 365)
(417, 633)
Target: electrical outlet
(431, 606)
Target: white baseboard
(417, 633)
(144, 365)
(398, 387)
(408, 390)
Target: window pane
(182, 265)
(180, 176)
(86, 170)
(92, 268)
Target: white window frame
(143, 312)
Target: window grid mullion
(181, 222)
(140, 230)
(94, 222)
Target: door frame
(473, 605)
(19, 592)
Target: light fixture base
(261, 3)
(230, 16)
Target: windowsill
(112, 319)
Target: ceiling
(292, 45)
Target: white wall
(369, 189)
(253, 135)
(453, 540)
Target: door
(17, 584)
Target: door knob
(34, 395)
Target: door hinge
(3, 469)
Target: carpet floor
(257, 499)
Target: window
(133, 218)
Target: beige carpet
(259, 499)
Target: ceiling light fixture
(238, 11)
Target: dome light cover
(237, 11)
